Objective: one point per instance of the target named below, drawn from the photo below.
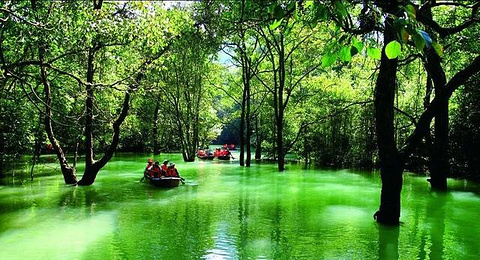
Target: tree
(281, 45)
(184, 84)
(99, 36)
(400, 26)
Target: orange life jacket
(172, 172)
(164, 167)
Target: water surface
(228, 212)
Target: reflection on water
(228, 212)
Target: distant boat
(229, 146)
(205, 155)
(166, 182)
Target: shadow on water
(388, 242)
(433, 233)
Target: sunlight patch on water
(55, 238)
(224, 245)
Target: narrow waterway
(228, 212)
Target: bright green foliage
(328, 113)
(393, 49)
(374, 53)
(438, 48)
(345, 54)
(328, 59)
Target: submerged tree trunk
(391, 165)
(438, 165)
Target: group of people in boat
(204, 153)
(219, 153)
(165, 170)
(222, 152)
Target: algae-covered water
(225, 211)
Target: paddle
(143, 178)
(181, 179)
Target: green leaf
(404, 35)
(418, 41)
(329, 59)
(275, 24)
(411, 12)
(393, 49)
(426, 37)
(357, 44)
(438, 48)
(321, 13)
(278, 12)
(340, 7)
(308, 4)
(345, 54)
(374, 53)
(399, 23)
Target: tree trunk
(156, 149)
(391, 166)
(92, 167)
(249, 124)
(37, 146)
(281, 106)
(90, 171)
(2, 152)
(242, 122)
(438, 165)
(69, 173)
(258, 141)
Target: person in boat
(208, 152)
(224, 152)
(149, 164)
(156, 170)
(165, 166)
(172, 171)
(149, 167)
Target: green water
(228, 212)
